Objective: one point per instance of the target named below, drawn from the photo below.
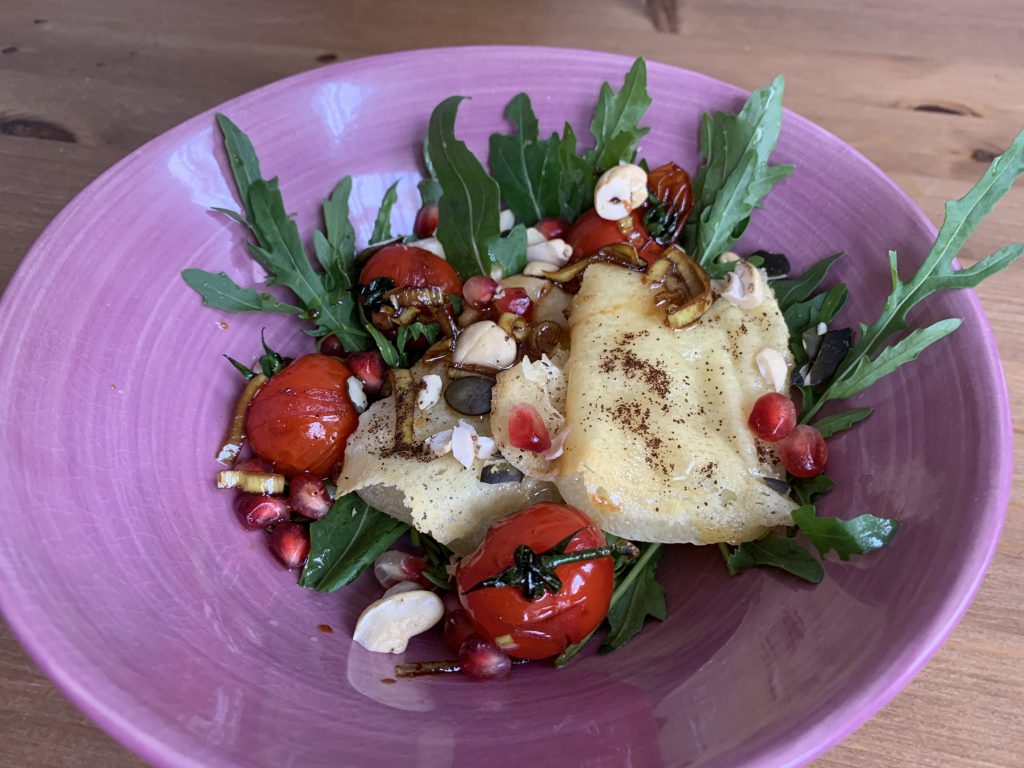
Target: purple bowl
(130, 583)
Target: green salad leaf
(430, 189)
(220, 291)
(336, 250)
(790, 292)
(838, 422)
(325, 298)
(642, 598)
(539, 177)
(528, 170)
(807, 489)
(345, 543)
(875, 355)
(858, 536)
(469, 209)
(382, 225)
(640, 602)
(735, 176)
(615, 124)
(776, 552)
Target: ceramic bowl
(132, 585)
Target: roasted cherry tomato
(590, 233)
(545, 626)
(408, 265)
(671, 185)
(302, 417)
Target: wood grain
(927, 89)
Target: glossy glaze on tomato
(409, 266)
(301, 418)
(590, 233)
(544, 627)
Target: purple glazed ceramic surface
(129, 581)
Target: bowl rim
(144, 735)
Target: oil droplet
(326, 628)
(113, 386)
(222, 325)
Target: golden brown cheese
(435, 494)
(659, 448)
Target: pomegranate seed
(308, 496)
(457, 629)
(254, 464)
(290, 544)
(369, 368)
(482, 660)
(331, 345)
(526, 429)
(394, 566)
(479, 290)
(256, 511)
(426, 221)
(552, 227)
(772, 417)
(804, 452)
(515, 300)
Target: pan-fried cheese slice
(434, 493)
(659, 448)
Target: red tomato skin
(590, 232)
(544, 627)
(409, 266)
(301, 418)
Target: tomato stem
(535, 573)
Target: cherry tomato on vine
(671, 185)
(407, 265)
(545, 626)
(302, 417)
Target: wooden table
(928, 89)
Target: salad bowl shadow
(130, 583)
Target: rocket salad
(460, 350)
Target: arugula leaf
(793, 291)
(387, 350)
(807, 489)
(836, 423)
(245, 165)
(345, 543)
(468, 212)
(776, 552)
(644, 597)
(430, 189)
(578, 178)
(508, 250)
(735, 176)
(873, 357)
(866, 371)
(818, 309)
(858, 536)
(336, 250)
(429, 331)
(647, 560)
(382, 226)
(615, 124)
(220, 291)
(937, 273)
(278, 248)
(528, 171)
